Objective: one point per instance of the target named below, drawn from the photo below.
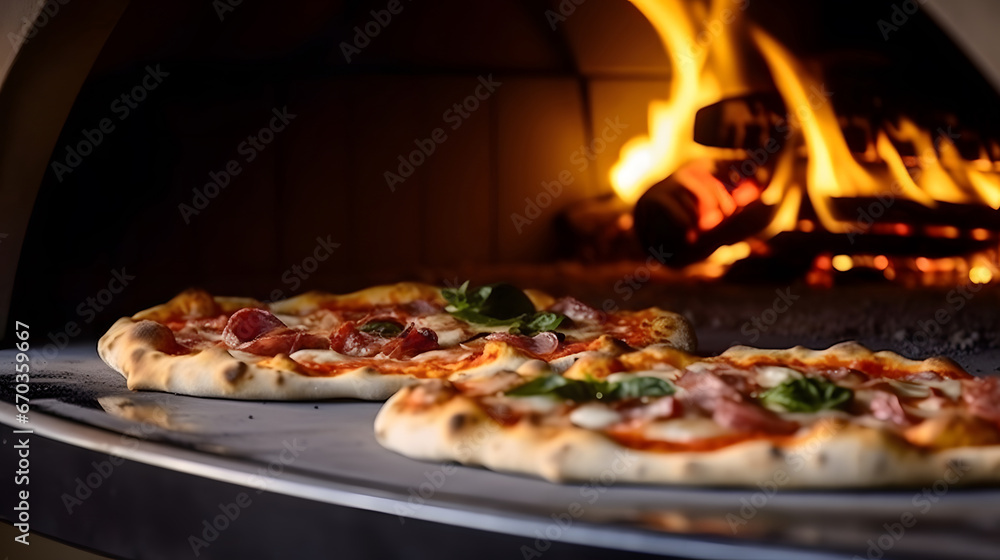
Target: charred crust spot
(137, 355)
(562, 452)
(234, 372)
(777, 452)
(280, 380)
(821, 459)
(154, 335)
(457, 422)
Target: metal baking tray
(324, 452)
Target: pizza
(368, 344)
(795, 418)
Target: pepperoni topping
(714, 396)
(576, 310)
(704, 390)
(258, 331)
(540, 344)
(283, 341)
(982, 397)
(750, 417)
(248, 324)
(411, 342)
(348, 340)
(885, 406)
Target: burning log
(676, 213)
(597, 229)
(704, 206)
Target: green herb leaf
(593, 389)
(540, 322)
(643, 387)
(499, 304)
(504, 301)
(807, 394)
(539, 386)
(471, 316)
(385, 329)
(496, 301)
(456, 297)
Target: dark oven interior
(253, 149)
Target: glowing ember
(843, 263)
(707, 72)
(728, 254)
(980, 275)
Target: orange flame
(706, 72)
(696, 82)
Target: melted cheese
(449, 330)
(952, 388)
(536, 403)
(533, 368)
(319, 356)
(683, 430)
(669, 375)
(560, 365)
(594, 416)
(290, 320)
(772, 376)
(445, 354)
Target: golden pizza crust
(139, 348)
(216, 372)
(846, 354)
(832, 453)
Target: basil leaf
(642, 387)
(541, 322)
(470, 316)
(583, 391)
(559, 386)
(593, 389)
(385, 329)
(493, 304)
(807, 394)
(456, 297)
(504, 301)
(539, 386)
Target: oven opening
(633, 153)
(785, 175)
(768, 158)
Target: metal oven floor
(324, 454)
